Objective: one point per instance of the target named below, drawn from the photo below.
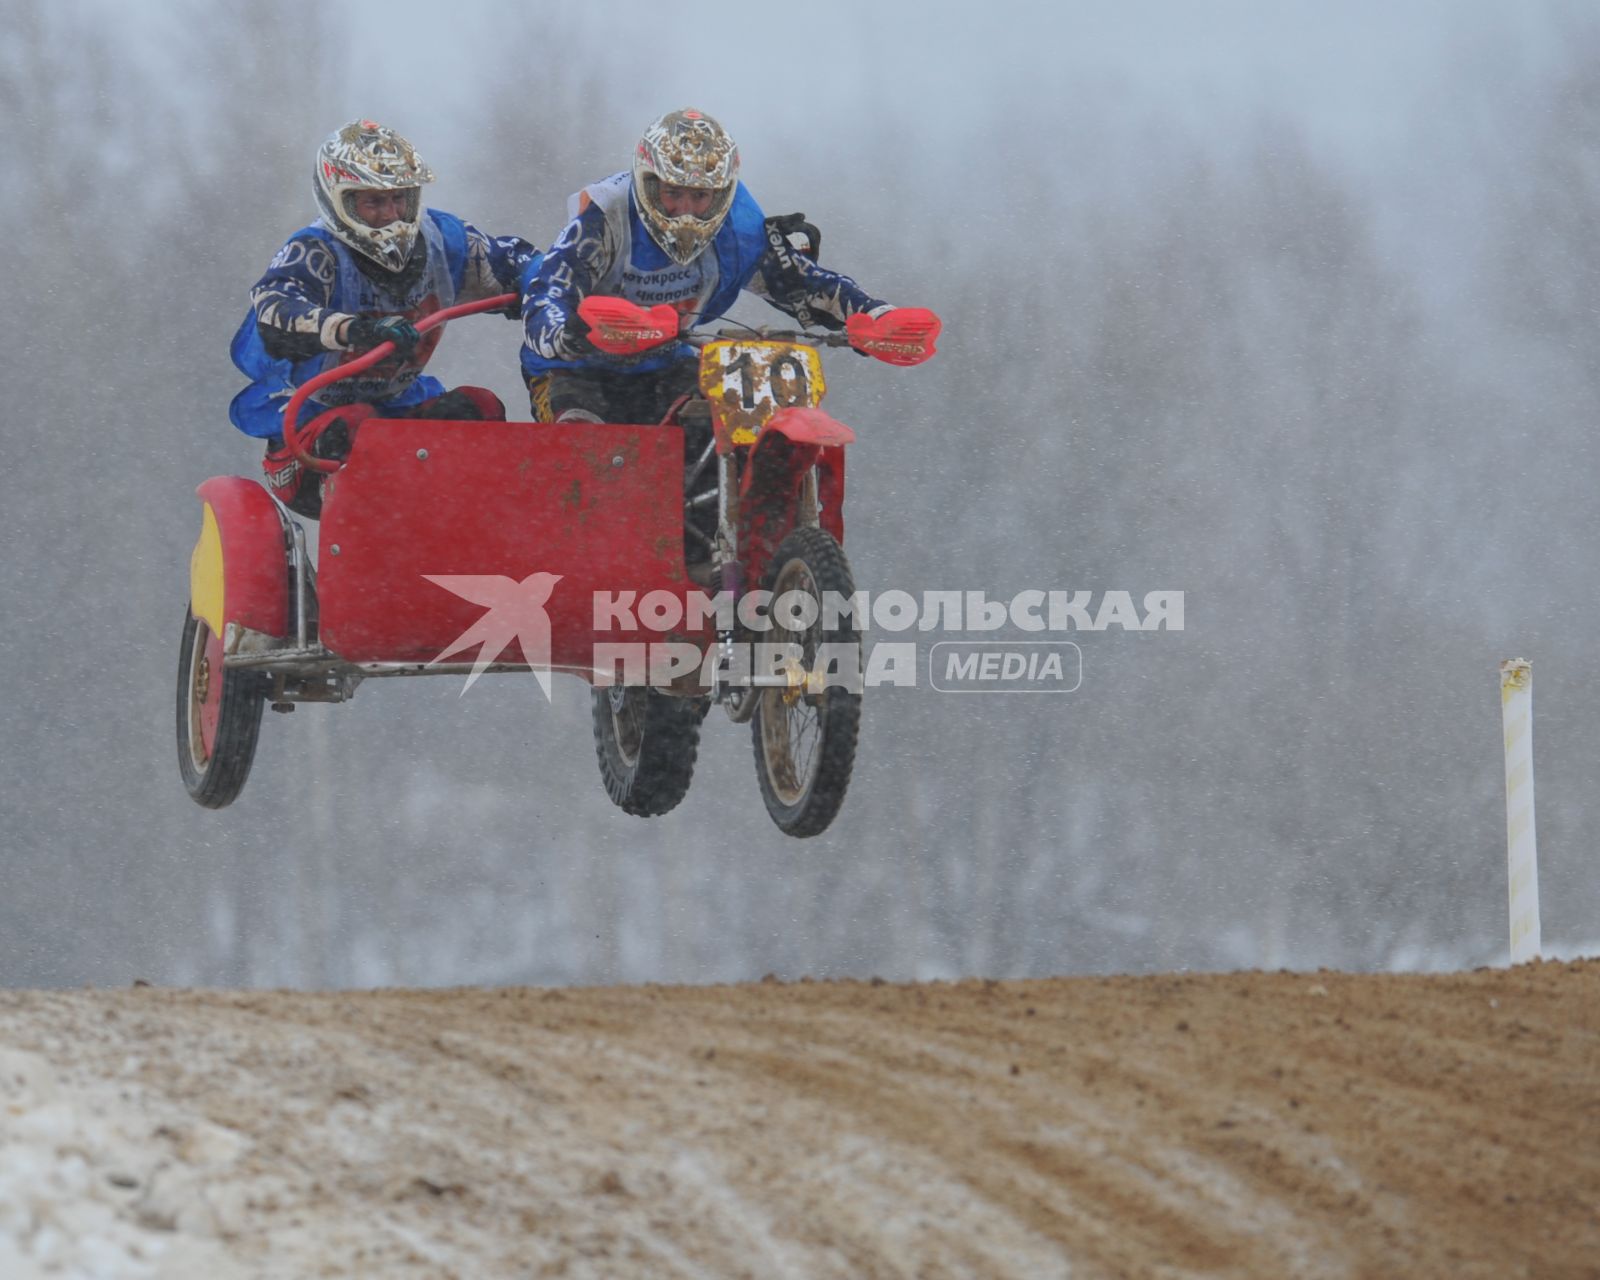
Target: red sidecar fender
(239, 570)
(490, 504)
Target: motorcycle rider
(680, 229)
(372, 264)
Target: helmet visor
(704, 204)
(379, 207)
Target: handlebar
(381, 352)
(898, 336)
(363, 362)
(811, 339)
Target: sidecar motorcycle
(437, 536)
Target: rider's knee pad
(289, 482)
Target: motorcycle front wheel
(805, 742)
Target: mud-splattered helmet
(365, 156)
(685, 149)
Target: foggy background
(1290, 307)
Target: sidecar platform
(599, 507)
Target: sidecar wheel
(219, 718)
(646, 743)
(805, 743)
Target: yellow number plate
(748, 382)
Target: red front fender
(790, 445)
(810, 426)
(239, 569)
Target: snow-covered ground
(1239, 1124)
(100, 1180)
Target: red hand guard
(903, 336)
(621, 328)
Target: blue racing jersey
(316, 282)
(606, 249)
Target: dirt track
(1253, 1124)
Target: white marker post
(1522, 852)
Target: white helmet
(685, 149)
(365, 156)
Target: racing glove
(901, 335)
(365, 332)
(621, 328)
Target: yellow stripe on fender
(205, 572)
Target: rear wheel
(219, 718)
(805, 741)
(646, 743)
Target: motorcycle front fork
(739, 700)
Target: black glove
(333, 441)
(574, 342)
(803, 236)
(365, 332)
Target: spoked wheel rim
(792, 720)
(806, 727)
(627, 720)
(205, 695)
(219, 718)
